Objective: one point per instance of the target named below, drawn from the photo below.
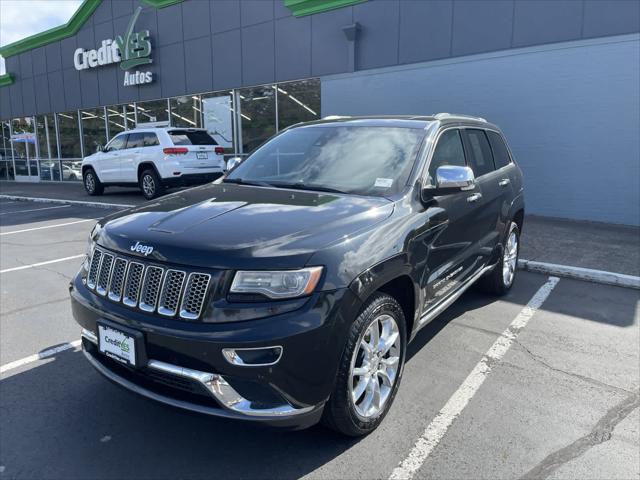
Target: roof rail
(443, 115)
(335, 117)
(152, 124)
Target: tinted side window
(136, 140)
(150, 139)
(448, 151)
(481, 156)
(501, 156)
(118, 143)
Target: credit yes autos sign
(131, 50)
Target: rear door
(453, 238)
(202, 150)
(480, 157)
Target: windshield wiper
(240, 181)
(307, 186)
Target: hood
(231, 226)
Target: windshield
(191, 137)
(350, 159)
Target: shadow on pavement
(63, 420)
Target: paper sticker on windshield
(383, 182)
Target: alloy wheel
(89, 182)
(374, 366)
(148, 185)
(510, 258)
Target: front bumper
(184, 365)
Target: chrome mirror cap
(453, 176)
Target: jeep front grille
(150, 288)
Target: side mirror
(233, 162)
(450, 179)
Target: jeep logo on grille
(140, 248)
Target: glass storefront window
(69, 132)
(155, 111)
(23, 140)
(258, 116)
(71, 170)
(186, 111)
(298, 102)
(48, 147)
(6, 157)
(217, 114)
(130, 112)
(94, 134)
(115, 117)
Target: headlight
(91, 243)
(279, 284)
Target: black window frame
(493, 152)
(470, 155)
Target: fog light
(253, 357)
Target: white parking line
(34, 265)
(48, 226)
(35, 209)
(465, 392)
(39, 356)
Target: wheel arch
(393, 277)
(145, 166)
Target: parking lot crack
(600, 433)
(538, 359)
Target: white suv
(154, 158)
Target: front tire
(92, 184)
(370, 369)
(501, 278)
(150, 184)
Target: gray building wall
(570, 111)
(201, 45)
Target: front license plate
(202, 155)
(117, 345)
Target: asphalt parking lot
(560, 401)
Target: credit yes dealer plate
(117, 345)
(202, 155)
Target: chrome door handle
(504, 182)
(474, 198)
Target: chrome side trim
(233, 358)
(442, 306)
(224, 393)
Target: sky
(22, 18)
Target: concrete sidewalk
(599, 246)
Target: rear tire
(150, 184)
(368, 378)
(92, 184)
(500, 280)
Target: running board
(441, 307)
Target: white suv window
(118, 143)
(136, 140)
(191, 137)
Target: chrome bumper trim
(215, 384)
(89, 335)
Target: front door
(453, 237)
(107, 163)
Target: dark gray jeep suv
(286, 292)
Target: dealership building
(561, 77)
